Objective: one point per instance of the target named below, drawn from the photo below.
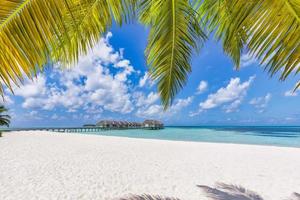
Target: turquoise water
(275, 136)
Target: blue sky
(112, 82)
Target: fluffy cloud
(181, 103)
(6, 100)
(151, 111)
(233, 91)
(157, 111)
(232, 94)
(247, 60)
(234, 106)
(98, 81)
(32, 115)
(145, 81)
(202, 87)
(291, 93)
(32, 88)
(261, 102)
(143, 101)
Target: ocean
(287, 136)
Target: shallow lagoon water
(274, 136)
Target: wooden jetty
(60, 129)
(100, 126)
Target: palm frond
(149, 10)
(3, 109)
(4, 118)
(269, 29)
(4, 121)
(7, 8)
(34, 32)
(173, 36)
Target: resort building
(153, 124)
(106, 124)
(113, 124)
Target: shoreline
(48, 165)
(154, 139)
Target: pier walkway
(66, 129)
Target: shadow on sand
(221, 191)
(229, 192)
(147, 197)
(296, 196)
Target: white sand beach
(44, 165)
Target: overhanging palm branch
(34, 32)
(269, 29)
(4, 118)
(173, 36)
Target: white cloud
(233, 91)
(32, 88)
(32, 102)
(90, 84)
(57, 117)
(145, 81)
(234, 106)
(233, 94)
(151, 111)
(98, 82)
(32, 115)
(202, 87)
(247, 60)
(157, 110)
(180, 104)
(261, 102)
(291, 119)
(6, 100)
(54, 116)
(291, 93)
(143, 101)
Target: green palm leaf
(269, 29)
(173, 36)
(32, 32)
(4, 118)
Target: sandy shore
(41, 165)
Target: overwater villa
(153, 124)
(114, 124)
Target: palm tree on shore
(34, 32)
(4, 118)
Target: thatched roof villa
(153, 124)
(106, 124)
(111, 124)
(114, 124)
